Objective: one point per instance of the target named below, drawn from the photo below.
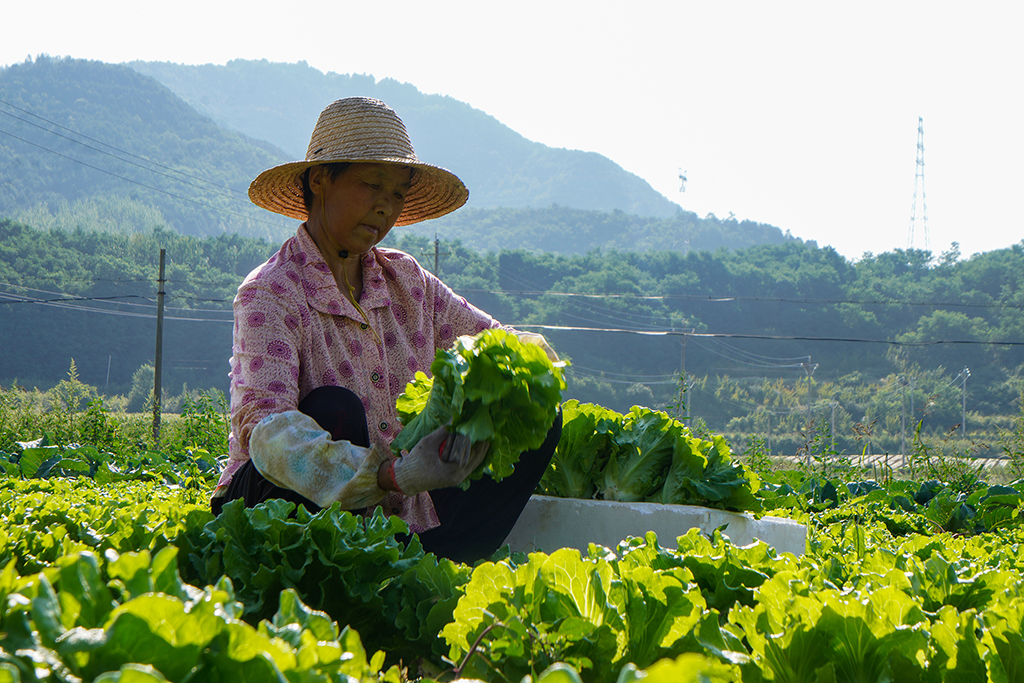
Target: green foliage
(1011, 441)
(354, 569)
(101, 582)
(490, 387)
(949, 463)
(765, 289)
(129, 617)
(109, 447)
(278, 103)
(902, 507)
(642, 450)
(645, 455)
(581, 452)
(46, 519)
(164, 162)
(205, 421)
(118, 272)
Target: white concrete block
(549, 523)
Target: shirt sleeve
(290, 450)
(265, 360)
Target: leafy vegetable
(490, 387)
(703, 470)
(645, 455)
(351, 567)
(641, 454)
(131, 618)
(582, 450)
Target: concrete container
(549, 523)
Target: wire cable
(778, 337)
(756, 299)
(105, 144)
(141, 184)
(204, 187)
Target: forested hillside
(280, 103)
(93, 146)
(562, 230)
(100, 293)
(101, 145)
(775, 333)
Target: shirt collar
(322, 291)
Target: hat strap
(351, 291)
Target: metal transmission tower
(919, 183)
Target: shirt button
(375, 377)
(396, 511)
(383, 426)
(363, 326)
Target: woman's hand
(438, 461)
(539, 340)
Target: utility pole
(913, 417)
(809, 368)
(903, 421)
(965, 373)
(682, 380)
(159, 356)
(832, 427)
(919, 182)
(437, 255)
(686, 230)
(684, 383)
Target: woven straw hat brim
(361, 130)
(435, 191)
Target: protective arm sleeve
(292, 451)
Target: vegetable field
(112, 568)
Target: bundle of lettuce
(645, 455)
(491, 387)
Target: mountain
(84, 142)
(96, 146)
(563, 230)
(280, 103)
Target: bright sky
(799, 114)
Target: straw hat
(361, 129)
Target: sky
(803, 115)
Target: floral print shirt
(295, 331)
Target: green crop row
(138, 581)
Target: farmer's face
(358, 208)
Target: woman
(330, 330)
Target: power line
(64, 296)
(136, 182)
(570, 295)
(775, 337)
(602, 378)
(726, 299)
(205, 187)
(100, 142)
(756, 356)
(71, 304)
(663, 376)
(755, 364)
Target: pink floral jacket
(295, 331)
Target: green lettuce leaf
(642, 455)
(582, 450)
(490, 387)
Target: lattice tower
(919, 189)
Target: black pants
(474, 522)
